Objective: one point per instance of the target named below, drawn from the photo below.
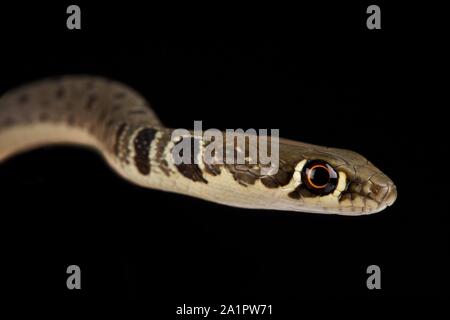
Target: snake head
(368, 189)
(331, 180)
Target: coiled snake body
(116, 121)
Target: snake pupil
(319, 176)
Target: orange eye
(319, 177)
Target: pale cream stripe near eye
(296, 177)
(342, 183)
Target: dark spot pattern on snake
(281, 178)
(294, 195)
(142, 144)
(191, 170)
(301, 192)
(119, 133)
(211, 168)
(247, 174)
(159, 155)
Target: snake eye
(319, 177)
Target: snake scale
(116, 121)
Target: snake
(116, 121)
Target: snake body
(116, 121)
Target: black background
(316, 73)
